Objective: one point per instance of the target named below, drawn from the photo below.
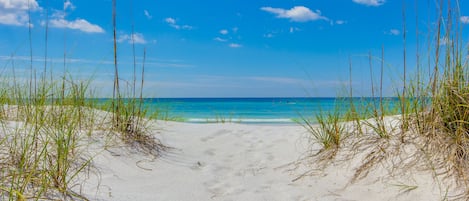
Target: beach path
(232, 162)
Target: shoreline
(258, 121)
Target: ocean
(251, 110)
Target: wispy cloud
(15, 12)
(53, 60)
(294, 29)
(340, 22)
(393, 32)
(296, 14)
(69, 5)
(168, 63)
(444, 41)
(220, 39)
(464, 19)
(155, 63)
(147, 14)
(370, 2)
(187, 27)
(224, 31)
(77, 24)
(136, 38)
(172, 22)
(269, 35)
(235, 45)
(227, 35)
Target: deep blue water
(250, 110)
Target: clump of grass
(127, 110)
(326, 130)
(434, 108)
(377, 106)
(44, 124)
(440, 102)
(40, 156)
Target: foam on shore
(240, 120)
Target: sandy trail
(238, 162)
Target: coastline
(271, 110)
(238, 161)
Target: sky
(222, 48)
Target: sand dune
(242, 162)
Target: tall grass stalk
(404, 124)
(30, 35)
(353, 115)
(139, 114)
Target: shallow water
(252, 110)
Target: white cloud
(235, 29)
(58, 21)
(78, 24)
(294, 29)
(340, 22)
(269, 35)
(464, 19)
(172, 22)
(19, 4)
(393, 32)
(15, 12)
(296, 14)
(370, 2)
(147, 14)
(68, 4)
(224, 31)
(187, 27)
(220, 39)
(14, 19)
(138, 38)
(235, 45)
(444, 41)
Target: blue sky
(264, 48)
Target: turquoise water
(249, 110)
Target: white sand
(241, 162)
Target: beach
(242, 162)
(264, 100)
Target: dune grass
(434, 112)
(45, 123)
(40, 156)
(43, 131)
(327, 128)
